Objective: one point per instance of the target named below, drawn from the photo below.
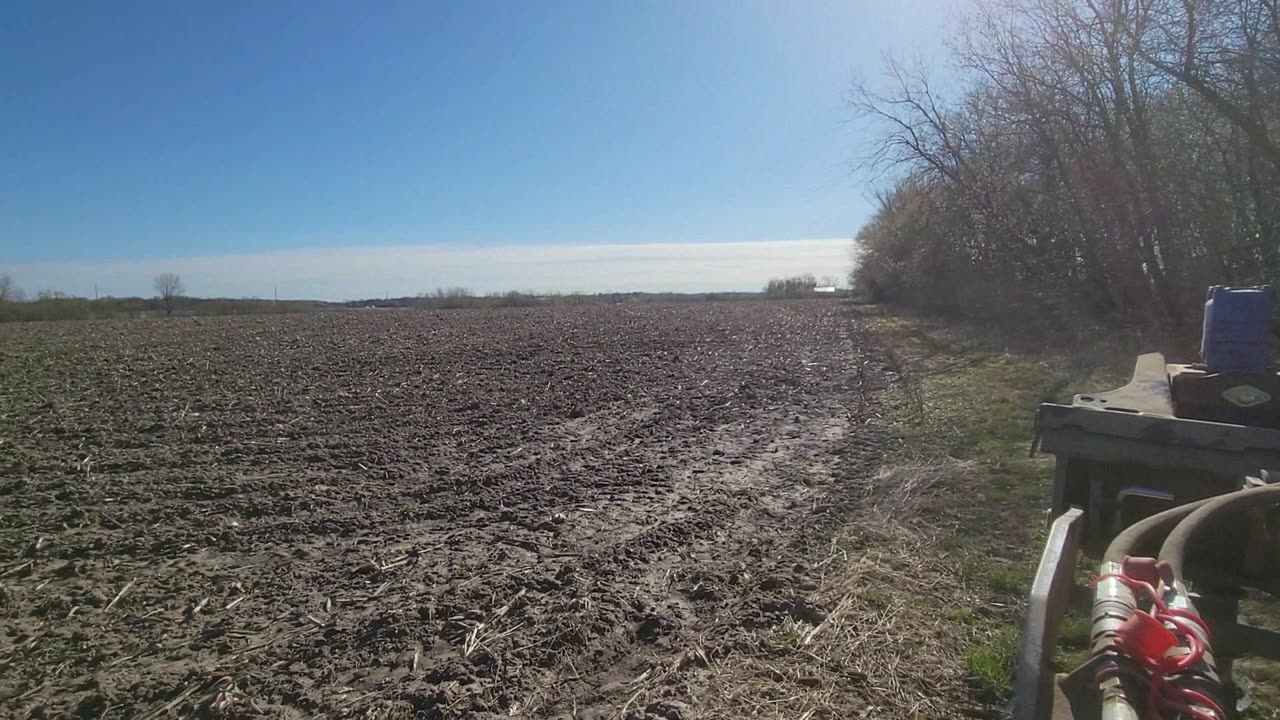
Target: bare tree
(1095, 160)
(9, 291)
(169, 289)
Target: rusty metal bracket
(1033, 685)
(1147, 392)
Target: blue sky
(170, 132)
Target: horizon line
(343, 273)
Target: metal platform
(1123, 455)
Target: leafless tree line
(168, 287)
(1101, 159)
(791, 287)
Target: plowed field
(540, 512)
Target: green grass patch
(999, 578)
(1076, 632)
(1074, 640)
(1263, 677)
(990, 661)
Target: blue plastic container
(1237, 325)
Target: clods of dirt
(370, 513)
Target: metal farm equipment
(1165, 484)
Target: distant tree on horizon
(9, 291)
(169, 288)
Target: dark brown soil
(412, 514)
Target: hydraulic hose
(1146, 531)
(1116, 602)
(1196, 686)
(1174, 550)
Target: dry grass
(902, 491)
(963, 406)
(884, 649)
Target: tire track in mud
(416, 514)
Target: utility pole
(95, 292)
